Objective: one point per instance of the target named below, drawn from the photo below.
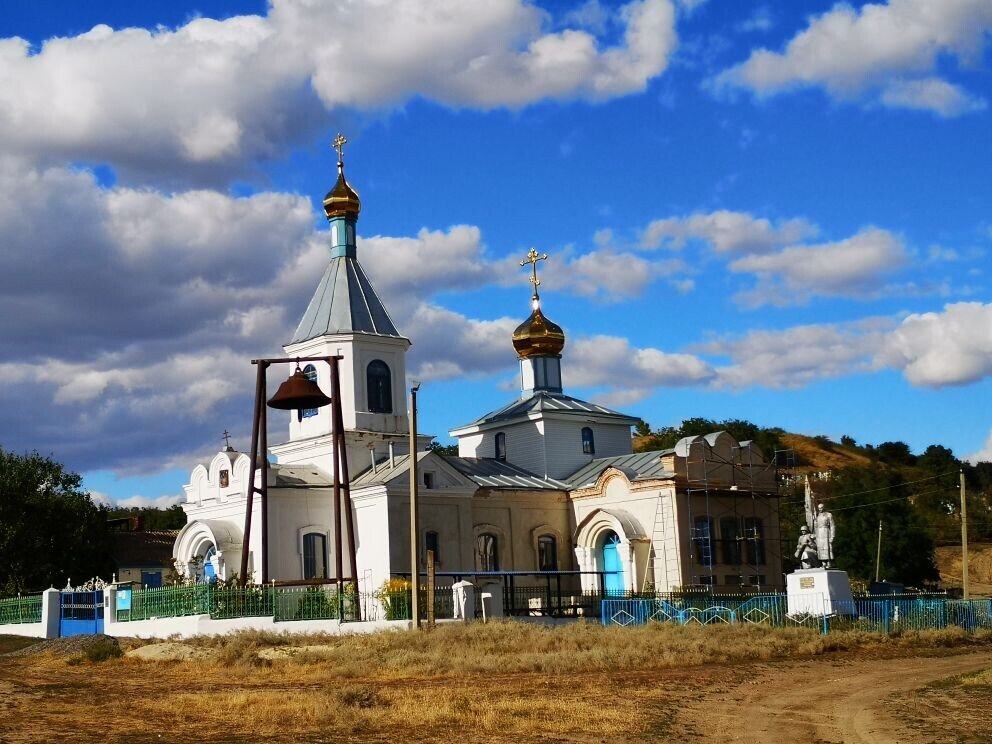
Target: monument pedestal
(819, 592)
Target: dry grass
(480, 682)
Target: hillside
(817, 454)
(979, 567)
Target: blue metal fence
(873, 614)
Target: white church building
(546, 483)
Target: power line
(875, 490)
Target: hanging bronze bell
(298, 392)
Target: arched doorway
(209, 571)
(612, 567)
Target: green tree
(172, 518)
(859, 498)
(443, 449)
(50, 529)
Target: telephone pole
(964, 539)
(878, 552)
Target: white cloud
(890, 50)
(852, 267)
(726, 231)
(149, 502)
(984, 454)
(792, 357)
(930, 94)
(630, 373)
(209, 97)
(952, 347)
(760, 20)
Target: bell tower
(345, 317)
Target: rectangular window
(547, 553)
(151, 579)
(703, 540)
(734, 580)
(431, 542)
(754, 541)
(706, 580)
(428, 480)
(729, 541)
(314, 556)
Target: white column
(627, 561)
(109, 609)
(580, 563)
(51, 610)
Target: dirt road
(845, 700)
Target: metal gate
(81, 613)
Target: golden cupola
(537, 336)
(342, 200)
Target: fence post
(109, 609)
(51, 612)
(886, 624)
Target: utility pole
(964, 539)
(878, 552)
(414, 516)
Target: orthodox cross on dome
(338, 144)
(532, 258)
(227, 439)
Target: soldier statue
(806, 549)
(824, 526)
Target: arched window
(379, 386)
(314, 556)
(588, 443)
(487, 552)
(311, 372)
(547, 553)
(501, 446)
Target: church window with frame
(754, 540)
(547, 553)
(487, 552)
(379, 387)
(314, 556)
(730, 541)
(501, 446)
(588, 442)
(311, 373)
(703, 538)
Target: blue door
(612, 568)
(81, 613)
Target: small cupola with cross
(538, 341)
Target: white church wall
(448, 514)
(292, 512)
(563, 444)
(372, 529)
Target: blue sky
(770, 211)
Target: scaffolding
(736, 484)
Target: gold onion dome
(342, 200)
(538, 336)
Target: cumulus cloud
(630, 373)
(888, 52)
(952, 347)
(726, 231)
(853, 267)
(984, 454)
(209, 97)
(793, 357)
